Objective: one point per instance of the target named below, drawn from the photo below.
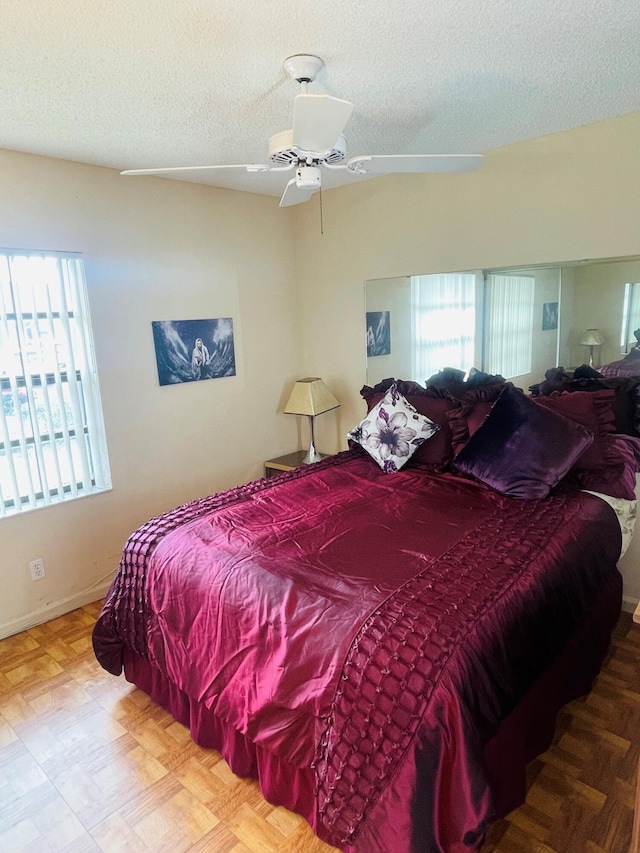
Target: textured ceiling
(150, 83)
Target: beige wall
(157, 249)
(563, 197)
(599, 305)
(154, 250)
(393, 295)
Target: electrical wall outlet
(36, 567)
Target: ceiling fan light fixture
(308, 178)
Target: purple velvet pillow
(522, 449)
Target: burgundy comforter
(372, 630)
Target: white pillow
(393, 431)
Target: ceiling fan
(316, 140)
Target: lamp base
(312, 456)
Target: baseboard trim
(53, 610)
(629, 604)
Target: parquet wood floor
(89, 763)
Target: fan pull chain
(321, 219)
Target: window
(630, 316)
(444, 322)
(458, 320)
(52, 440)
(509, 324)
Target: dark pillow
(452, 379)
(522, 449)
(594, 411)
(618, 478)
(373, 395)
(449, 378)
(626, 406)
(477, 378)
(434, 404)
(585, 371)
(472, 409)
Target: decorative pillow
(453, 380)
(522, 449)
(477, 378)
(450, 378)
(373, 395)
(626, 406)
(618, 478)
(609, 465)
(393, 431)
(472, 409)
(433, 403)
(594, 411)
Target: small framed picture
(549, 316)
(378, 330)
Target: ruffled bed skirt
(525, 733)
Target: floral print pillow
(392, 431)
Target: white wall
(562, 197)
(153, 250)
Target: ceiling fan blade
(386, 164)
(250, 167)
(293, 194)
(318, 121)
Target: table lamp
(592, 338)
(311, 397)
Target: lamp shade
(310, 396)
(592, 338)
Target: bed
(384, 647)
(628, 366)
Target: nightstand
(289, 462)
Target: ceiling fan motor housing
(308, 177)
(282, 151)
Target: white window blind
(444, 321)
(630, 315)
(52, 439)
(509, 324)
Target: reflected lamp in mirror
(592, 338)
(310, 397)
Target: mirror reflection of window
(509, 324)
(569, 297)
(630, 315)
(444, 322)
